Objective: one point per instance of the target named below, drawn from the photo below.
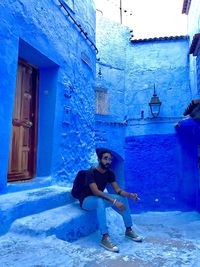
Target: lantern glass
(155, 109)
(155, 104)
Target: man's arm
(122, 192)
(99, 193)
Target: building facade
(47, 65)
(161, 161)
(68, 87)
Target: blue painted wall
(159, 163)
(111, 134)
(163, 62)
(198, 73)
(41, 33)
(154, 152)
(163, 170)
(153, 170)
(110, 129)
(189, 138)
(164, 166)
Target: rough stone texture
(153, 171)
(170, 239)
(163, 63)
(66, 142)
(189, 138)
(16, 205)
(68, 223)
(41, 33)
(140, 66)
(153, 152)
(111, 40)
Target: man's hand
(134, 196)
(119, 205)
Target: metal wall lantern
(155, 104)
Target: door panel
(24, 124)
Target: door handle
(27, 124)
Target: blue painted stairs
(43, 212)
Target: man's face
(105, 161)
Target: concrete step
(68, 223)
(20, 204)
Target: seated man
(93, 197)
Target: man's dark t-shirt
(101, 180)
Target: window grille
(101, 101)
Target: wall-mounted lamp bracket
(155, 104)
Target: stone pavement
(43, 228)
(171, 239)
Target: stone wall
(162, 62)
(162, 169)
(111, 42)
(42, 33)
(152, 152)
(111, 39)
(153, 171)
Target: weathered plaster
(42, 34)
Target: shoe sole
(134, 239)
(109, 249)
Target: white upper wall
(147, 18)
(194, 18)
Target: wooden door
(22, 162)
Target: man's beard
(104, 166)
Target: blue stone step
(67, 223)
(20, 204)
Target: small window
(101, 101)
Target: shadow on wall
(158, 170)
(188, 131)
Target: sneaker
(107, 244)
(133, 236)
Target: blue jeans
(100, 204)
